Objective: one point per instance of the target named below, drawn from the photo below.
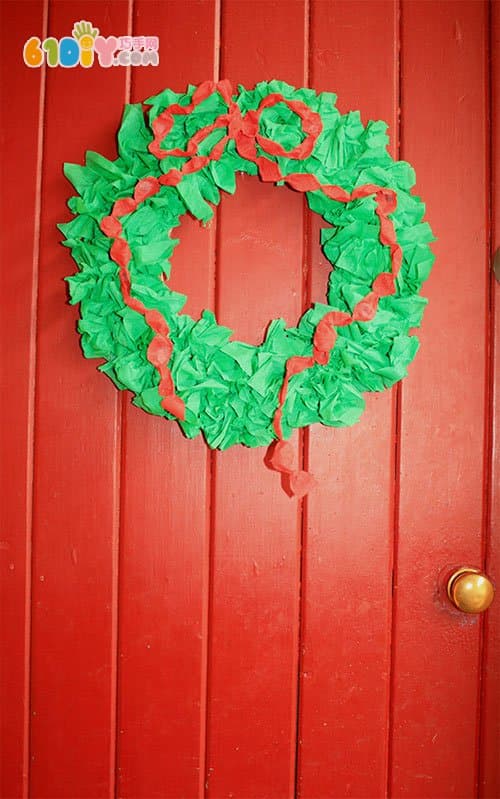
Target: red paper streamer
(244, 130)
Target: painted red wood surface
(345, 667)
(489, 765)
(21, 144)
(176, 626)
(434, 734)
(77, 457)
(164, 577)
(256, 538)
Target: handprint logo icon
(85, 35)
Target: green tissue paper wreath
(175, 158)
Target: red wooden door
(174, 625)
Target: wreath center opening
(251, 256)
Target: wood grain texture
(166, 496)
(489, 773)
(20, 214)
(345, 666)
(255, 567)
(76, 458)
(436, 649)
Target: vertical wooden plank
(489, 783)
(254, 603)
(349, 522)
(166, 493)
(21, 173)
(444, 135)
(75, 502)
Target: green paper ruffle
(230, 389)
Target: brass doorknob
(470, 590)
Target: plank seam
(119, 471)
(119, 447)
(31, 424)
(304, 439)
(211, 461)
(397, 400)
(489, 389)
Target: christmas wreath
(174, 158)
